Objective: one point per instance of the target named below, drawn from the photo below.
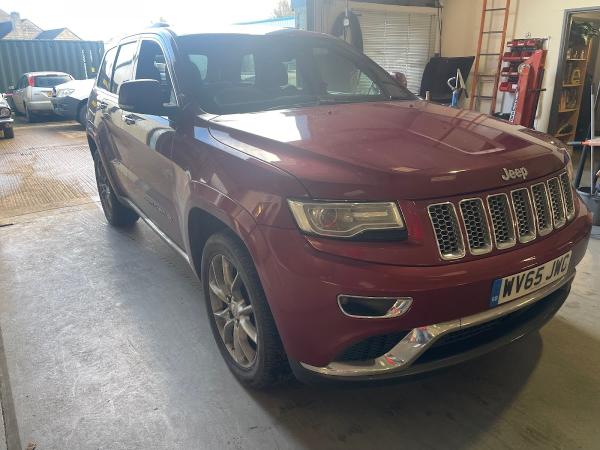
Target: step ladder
(479, 79)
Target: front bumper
(302, 285)
(65, 106)
(469, 336)
(6, 123)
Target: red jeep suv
(340, 226)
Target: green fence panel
(79, 58)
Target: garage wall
(541, 18)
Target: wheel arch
(207, 219)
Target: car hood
(82, 87)
(391, 150)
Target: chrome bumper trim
(418, 340)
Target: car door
(102, 101)
(18, 93)
(116, 136)
(147, 142)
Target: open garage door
(399, 41)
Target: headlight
(346, 220)
(570, 168)
(4, 112)
(64, 92)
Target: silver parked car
(31, 96)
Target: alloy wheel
(104, 190)
(233, 312)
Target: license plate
(522, 283)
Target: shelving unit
(517, 52)
(571, 91)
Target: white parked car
(31, 96)
(70, 99)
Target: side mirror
(143, 97)
(400, 79)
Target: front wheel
(9, 133)
(82, 114)
(239, 314)
(115, 212)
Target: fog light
(374, 307)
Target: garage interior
(104, 339)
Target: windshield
(49, 81)
(230, 74)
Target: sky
(107, 19)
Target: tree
(283, 9)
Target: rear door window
(123, 66)
(22, 82)
(105, 73)
(49, 81)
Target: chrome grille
(447, 230)
(567, 191)
(502, 221)
(556, 201)
(523, 215)
(542, 208)
(476, 226)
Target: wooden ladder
(479, 78)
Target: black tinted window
(123, 66)
(105, 72)
(49, 81)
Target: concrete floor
(106, 345)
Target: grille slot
(502, 221)
(476, 226)
(556, 201)
(447, 230)
(542, 208)
(567, 191)
(523, 215)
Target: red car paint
(242, 168)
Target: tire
(116, 213)
(9, 133)
(241, 310)
(29, 116)
(82, 114)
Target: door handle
(129, 119)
